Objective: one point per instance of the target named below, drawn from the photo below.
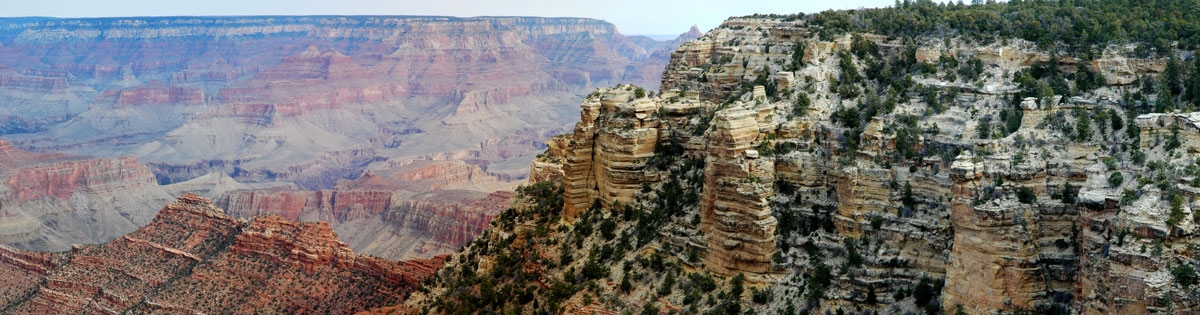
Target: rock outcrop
(735, 213)
(605, 159)
(845, 171)
(194, 259)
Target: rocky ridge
(193, 258)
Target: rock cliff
(789, 165)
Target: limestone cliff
(858, 171)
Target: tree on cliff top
(1078, 25)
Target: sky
(634, 17)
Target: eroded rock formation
(819, 168)
(50, 201)
(292, 98)
(194, 259)
(413, 209)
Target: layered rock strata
(50, 201)
(193, 258)
(271, 98)
(604, 161)
(734, 210)
(412, 209)
(1032, 204)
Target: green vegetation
(1078, 25)
(846, 85)
(1115, 179)
(800, 107)
(1026, 195)
(1184, 275)
(1176, 214)
(797, 57)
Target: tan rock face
(549, 165)
(734, 210)
(1158, 129)
(994, 252)
(994, 260)
(606, 157)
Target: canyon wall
(415, 209)
(293, 116)
(49, 202)
(807, 165)
(285, 98)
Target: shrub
(1185, 275)
(762, 296)
(798, 55)
(801, 105)
(1115, 120)
(1116, 179)
(593, 270)
(667, 283)
(908, 199)
(739, 283)
(926, 291)
(1068, 195)
(985, 128)
(853, 258)
(649, 309)
(608, 229)
(1025, 195)
(1176, 210)
(703, 282)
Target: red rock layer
(50, 201)
(448, 217)
(194, 259)
(62, 179)
(153, 93)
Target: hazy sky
(631, 16)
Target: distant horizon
(657, 37)
(668, 17)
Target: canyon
(402, 132)
(49, 202)
(835, 162)
(324, 96)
